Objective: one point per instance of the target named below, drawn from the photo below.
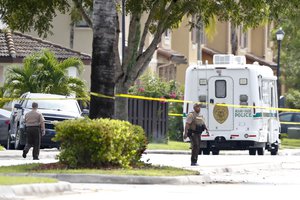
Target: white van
(239, 104)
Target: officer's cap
(197, 105)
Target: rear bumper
(231, 145)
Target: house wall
(83, 40)
(182, 43)
(220, 41)
(61, 31)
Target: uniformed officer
(194, 127)
(35, 128)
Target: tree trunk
(105, 28)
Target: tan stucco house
(15, 46)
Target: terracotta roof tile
(17, 45)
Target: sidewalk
(17, 191)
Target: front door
(220, 95)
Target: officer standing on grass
(35, 129)
(194, 127)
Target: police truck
(239, 103)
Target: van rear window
(220, 87)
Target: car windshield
(60, 105)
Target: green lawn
(144, 171)
(290, 143)
(15, 180)
(172, 145)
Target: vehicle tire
(215, 151)
(252, 152)
(200, 151)
(18, 145)
(260, 151)
(206, 151)
(274, 151)
(9, 145)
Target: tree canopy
(290, 58)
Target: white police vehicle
(239, 104)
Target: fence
(152, 116)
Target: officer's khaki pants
(33, 140)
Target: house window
(167, 35)
(243, 40)
(167, 72)
(82, 23)
(197, 32)
(269, 35)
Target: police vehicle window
(265, 92)
(272, 98)
(220, 88)
(297, 118)
(286, 117)
(22, 99)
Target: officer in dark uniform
(35, 128)
(194, 127)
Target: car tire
(9, 144)
(206, 151)
(18, 145)
(252, 152)
(260, 151)
(215, 151)
(274, 151)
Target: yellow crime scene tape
(161, 100)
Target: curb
(17, 191)
(122, 179)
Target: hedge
(99, 143)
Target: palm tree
(43, 73)
(105, 57)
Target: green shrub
(99, 143)
(175, 126)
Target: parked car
(289, 117)
(4, 126)
(54, 108)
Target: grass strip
(171, 145)
(147, 171)
(175, 145)
(16, 180)
(290, 143)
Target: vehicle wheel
(18, 146)
(206, 151)
(215, 151)
(274, 151)
(9, 145)
(200, 152)
(260, 151)
(252, 152)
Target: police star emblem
(220, 113)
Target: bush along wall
(98, 143)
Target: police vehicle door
(220, 92)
